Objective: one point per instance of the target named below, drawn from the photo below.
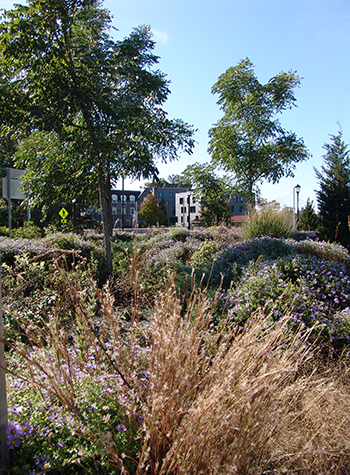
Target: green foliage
(324, 250)
(308, 219)
(4, 231)
(333, 197)
(121, 247)
(85, 396)
(203, 256)
(248, 141)
(98, 100)
(94, 401)
(210, 190)
(28, 231)
(268, 222)
(151, 212)
(308, 289)
(83, 419)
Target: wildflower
(27, 429)
(14, 429)
(121, 428)
(12, 442)
(40, 461)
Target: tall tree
(308, 219)
(210, 188)
(62, 72)
(249, 141)
(333, 197)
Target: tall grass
(268, 222)
(212, 400)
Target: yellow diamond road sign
(63, 213)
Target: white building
(187, 208)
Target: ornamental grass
(180, 395)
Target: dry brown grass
(219, 401)
(250, 403)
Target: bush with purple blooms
(69, 412)
(305, 287)
(103, 395)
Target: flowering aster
(40, 461)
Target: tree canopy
(62, 73)
(152, 212)
(248, 140)
(308, 219)
(210, 188)
(333, 197)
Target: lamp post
(296, 190)
(188, 211)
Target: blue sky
(197, 40)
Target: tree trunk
(106, 224)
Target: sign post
(10, 190)
(63, 213)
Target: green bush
(202, 257)
(267, 222)
(4, 231)
(28, 231)
(120, 255)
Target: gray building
(124, 208)
(166, 194)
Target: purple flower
(121, 428)
(14, 429)
(12, 442)
(40, 461)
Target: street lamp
(296, 190)
(188, 210)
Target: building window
(159, 194)
(114, 210)
(182, 219)
(232, 209)
(132, 211)
(171, 194)
(123, 198)
(181, 201)
(114, 198)
(192, 209)
(241, 209)
(167, 203)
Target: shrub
(267, 222)
(195, 401)
(325, 250)
(233, 259)
(120, 255)
(28, 231)
(71, 404)
(202, 257)
(309, 289)
(4, 231)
